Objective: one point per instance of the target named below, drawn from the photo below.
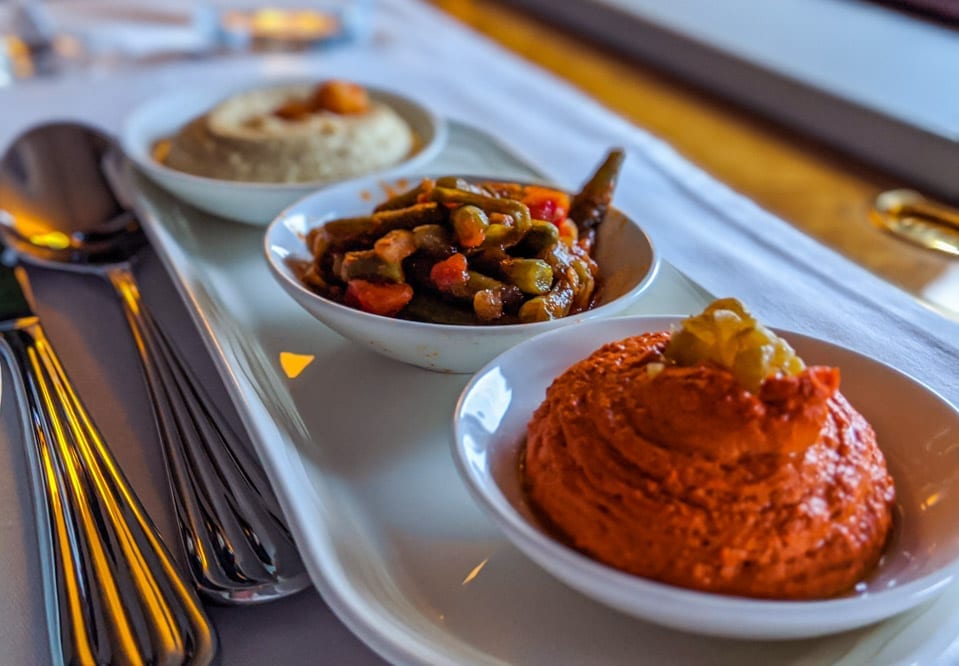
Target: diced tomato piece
(568, 231)
(450, 273)
(382, 299)
(546, 204)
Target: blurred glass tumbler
(293, 28)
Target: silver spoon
(113, 592)
(63, 213)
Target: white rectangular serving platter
(358, 450)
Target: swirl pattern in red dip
(681, 475)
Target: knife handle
(114, 594)
(237, 544)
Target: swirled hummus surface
(292, 133)
(682, 475)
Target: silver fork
(114, 594)
(237, 544)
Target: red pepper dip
(680, 474)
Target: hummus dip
(250, 137)
(681, 475)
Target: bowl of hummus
(687, 487)
(247, 154)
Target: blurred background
(812, 108)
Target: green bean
(532, 276)
(488, 305)
(312, 278)
(583, 291)
(433, 239)
(489, 260)
(553, 305)
(475, 282)
(478, 281)
(541, 236)
(409, 218)
(426, 307)
(456, 183)
(470, 224)
(517, 210)
(509, 294)
(367, 265)
(395, 246)
(405, 199)
(500, 236)
(349, 231)
(504, 190)
(316, 241)
(588, 208)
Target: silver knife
(113, 592)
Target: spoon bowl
(59, 192)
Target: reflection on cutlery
(911, 216)
(114, 593)
(67, 217)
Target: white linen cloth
(123, 29)
(714, 235)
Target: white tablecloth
(717, 237)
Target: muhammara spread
(712, 458)
(290, 134)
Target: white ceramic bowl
(253, 203)
(916, 429)
(624, 254)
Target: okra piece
(405, 199)
(426, 307)
(589, 207)
(470, 224)
(532, 276)
(367, 265)
(553, 305)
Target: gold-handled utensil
(919, 220)
(115, 594)
(59, 209)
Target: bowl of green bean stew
(447, 272)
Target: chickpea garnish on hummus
(711, 457)
(292, 133)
